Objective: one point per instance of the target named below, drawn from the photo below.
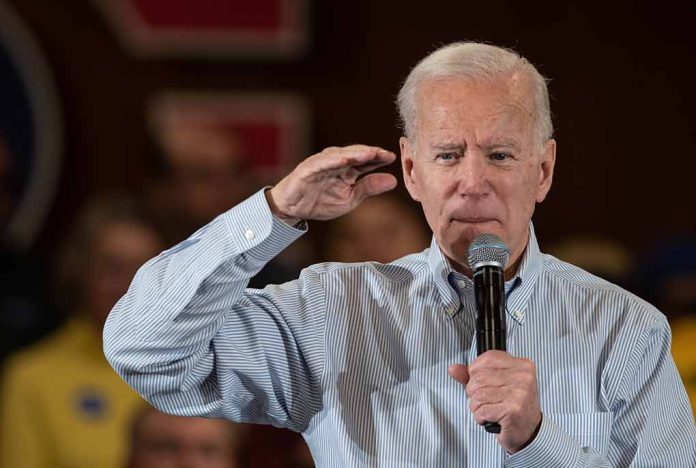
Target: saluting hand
(328, 184)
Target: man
(376, 364)
(160, 440)
(61, 404)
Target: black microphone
(487, 257)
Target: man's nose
(472, 174)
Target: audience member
(666, 276)
(203, 170)
(600, 256)
(160, 440)
(25, 314)
(61, 403)
(380, 229)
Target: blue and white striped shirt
(355, 356)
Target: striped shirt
(355, 356)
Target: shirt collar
(441, 270)
(523, 282)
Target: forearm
(158, 337)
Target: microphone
(487, 257)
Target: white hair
(474, 61)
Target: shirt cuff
(551, 447)
(256, 232)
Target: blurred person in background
(381, 229)
(61, 403)
(160, 440)
(666, 276)
(25, 314)
(203, 170)
(600, 256)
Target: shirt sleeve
(653, 424)
(192, 340)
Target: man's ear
(548, 162)
(407, 167)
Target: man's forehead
(444, 102)
(514, 89)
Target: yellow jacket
(63, 405)
(684, 352)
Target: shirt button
(461, 283)
(518, 314)
(249, 234)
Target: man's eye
(446, 156)
(500, 156)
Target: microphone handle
(489, 289)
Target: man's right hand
(328, 184)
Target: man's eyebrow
(499, 144)
(447, 146)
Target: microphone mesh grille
(488, 248)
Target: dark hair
(72, 258)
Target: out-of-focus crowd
(61, 404)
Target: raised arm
(192, 340)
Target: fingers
(482, 383)
(361, 158)
(374, 184)
(493, 359)
(488, 395)
(489, 412)
(503, 389)
(329, 184)
(459, 372)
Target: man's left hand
(503, 389)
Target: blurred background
(127, 124)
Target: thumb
(459, 372)
(374, 184)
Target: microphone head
(488, 249)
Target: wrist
(277, 212)
(534, 434)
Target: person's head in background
(380, 229)
(598, 255)
(203, 171)
(160, 440)
(666, 276)
(109, 240)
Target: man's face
(166, 441)
(114, 256)
(476, 165)
(209, 174)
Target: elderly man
(376, 363)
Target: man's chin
(466, 232)
(456, 241)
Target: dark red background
(622, 89)
(622, 86)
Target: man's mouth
(473, 219)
